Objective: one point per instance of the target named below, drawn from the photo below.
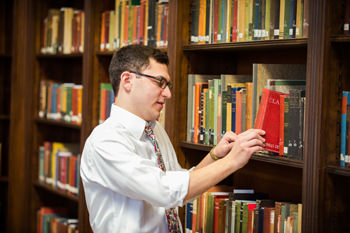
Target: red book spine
(107, 25)
(234, 21)
(216, 214)
(238, 112)
(126, 23)
(216, 20)
(63, 171)
(250, 222)
(268, 118)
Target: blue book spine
(343, 129)
(256, 20)
(347, 149)
(54, 98)
(292, 19)
(189, 216)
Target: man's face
(148, 97)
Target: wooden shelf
(4, 117)
(333, 169)
(110, 53)
(104, 53)
(57, 123)
(59, 56)
(257, 156)
(248, 45)
(55, 191)
(6, 56)
(340, 39)
(4, 179)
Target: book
(344, 127)
(192, 80)
(283, 106)
(295, 123)
(268, 118)
(263, 72)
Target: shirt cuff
(179, 181)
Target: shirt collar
(130, 121)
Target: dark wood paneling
(22, 87)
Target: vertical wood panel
(313, 174)
(20, 113)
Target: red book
(216, 20)
(126, 23)
(250, 222)
(238, 112)
(142, 21)
(268, 118)
(234, 21)
(217, 197)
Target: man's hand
(245, 145)
(225, 144)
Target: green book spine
(238, 216)
(223, 112)
(69, 103)
(286, 18)
(131, 23)
(207, 113)
(211, 114)
(245, 218)
(267, 19)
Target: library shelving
(317, 181)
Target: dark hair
(133, 58)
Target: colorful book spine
(344, 131)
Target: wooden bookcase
(317, 181)
(6, 14)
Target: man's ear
(126, 80)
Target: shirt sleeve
(113, 163)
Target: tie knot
(149, 131)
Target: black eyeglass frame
(162, 82)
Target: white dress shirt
(125, 190)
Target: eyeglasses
(162, 82)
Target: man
(132, 181)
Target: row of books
(63, 31)
(241, 211)
(106, 100)
(344, 130)
(220, 103)
(59, 166)
(61, 101)
(220, 21)
(135, 22)
(51, 220)
(282, 117)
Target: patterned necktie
(171, 214)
